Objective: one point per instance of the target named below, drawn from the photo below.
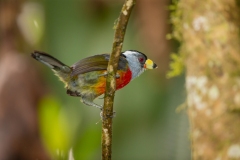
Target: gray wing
(96, 63)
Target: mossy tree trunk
(209, 32)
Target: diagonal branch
(111, 81)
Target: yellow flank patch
(100, 85)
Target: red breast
(123, 80)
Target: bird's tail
(61, 70)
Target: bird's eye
(141, 60)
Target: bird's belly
(96, 84)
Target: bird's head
(138, 62)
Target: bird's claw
(108, 116)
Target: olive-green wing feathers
(95, 63)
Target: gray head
(138, 62)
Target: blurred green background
(146, 125)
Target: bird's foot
(107, 116)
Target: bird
(86, 78)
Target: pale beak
(149, 64)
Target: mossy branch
(120, 30)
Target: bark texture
(209, 31)
(120, 27)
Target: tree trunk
(20, 92)
(211, 50)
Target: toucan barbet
(86, 78)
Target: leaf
(176, 66)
